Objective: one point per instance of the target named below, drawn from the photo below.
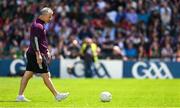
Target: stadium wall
(106, 69)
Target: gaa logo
(16, 66)
(142, 70)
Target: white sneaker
(61, 96)
(22, 99)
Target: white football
(105, 96)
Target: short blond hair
(46, 10)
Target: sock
(21, 96)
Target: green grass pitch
(85, 93)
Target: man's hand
(39, 59)
(49, 56)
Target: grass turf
(85, 93)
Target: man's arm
(49, 56)
(37, 52)
(36, 34)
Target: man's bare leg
(27, 75)
(47, 80)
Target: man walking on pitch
(38, 56)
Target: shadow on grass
(20, 102)
(7, 101)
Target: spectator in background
(85, 31)
(72, 49)
(167, 52)
(143, 16)
(130, 51)
(1, 50)
(120, 14)
(107, 48)
(62, 9)
(165, 13)
(166, 39)
(132, 16)
(177, 54)
(89, 53)
(142, 54)
(154, 51)
(23, 47)
(121, 46)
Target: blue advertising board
(18, 66)
(152, 70)
(128, 69)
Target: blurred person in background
(1, 50)
(177, 54)
(107, 48)
(72, 48)
(131, 51)
(89, 53)
(142, 54)
(165, 13)
(154, 51)
(167, 52)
